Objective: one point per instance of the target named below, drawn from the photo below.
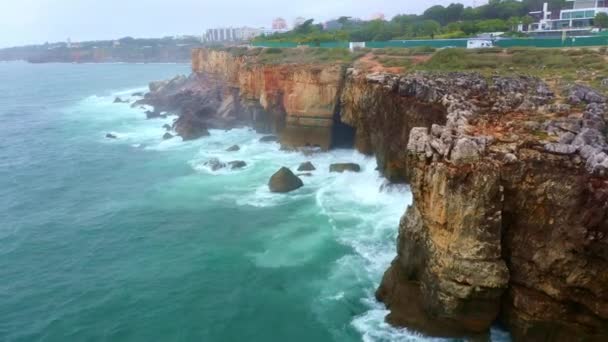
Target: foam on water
(356, 210)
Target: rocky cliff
(509, 176)
(297, 101)
(509, 219)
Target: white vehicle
(479, 43)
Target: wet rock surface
(509, 220)
(344, 167)
(306, 166)
(237, 164)
(269, 138)
(118, 99)
(215, 164)
(284, 181)
(233, 148)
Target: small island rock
(342, 167)
(237, 164)
(307, 166)
(284, 181)
(215, 164)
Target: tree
(492, 25)
(437, 13)
(514, 23)
(601, 20)
(454, 12)
(305, 27)
(426, 28)
(343, 20)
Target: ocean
(135, 239)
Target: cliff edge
(509, 219)
(509, 176)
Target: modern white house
(578, 17)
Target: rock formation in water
(343, 167)
(296, 102)
(509, 177)
(306, 166)
(284, 181)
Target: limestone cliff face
(510, 182)
(299, 101)
(509, 219)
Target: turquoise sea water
(135, 239)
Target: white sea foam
(359, 211)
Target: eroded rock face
(298, 101)
(450, 246)
(190, 127)
(509, 220)
(284, 181)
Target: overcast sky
(37, 21)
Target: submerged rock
(111, 136)
(118, 99)
(215, 164)
(237, 164)
(150, 114)
(284, 181)
(233, 148)
(167, 127)
(138, 94)
(343, 167)
(269, 138)
(167, 136)
(307, 166)
(190, 127)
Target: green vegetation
(574, 64)
(168, 49)
(452, 21)
(601, 20)
(301, 55)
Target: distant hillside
(452, 21)
(155, 50)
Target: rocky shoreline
(509, 177)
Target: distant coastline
(125, 50)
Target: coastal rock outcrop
(190, 127)
(306, 166)
(237, 164)
(269, 138)
(214, 164)
(509, 219)
(284, 181)
(233, 148)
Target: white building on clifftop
(578, 17)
